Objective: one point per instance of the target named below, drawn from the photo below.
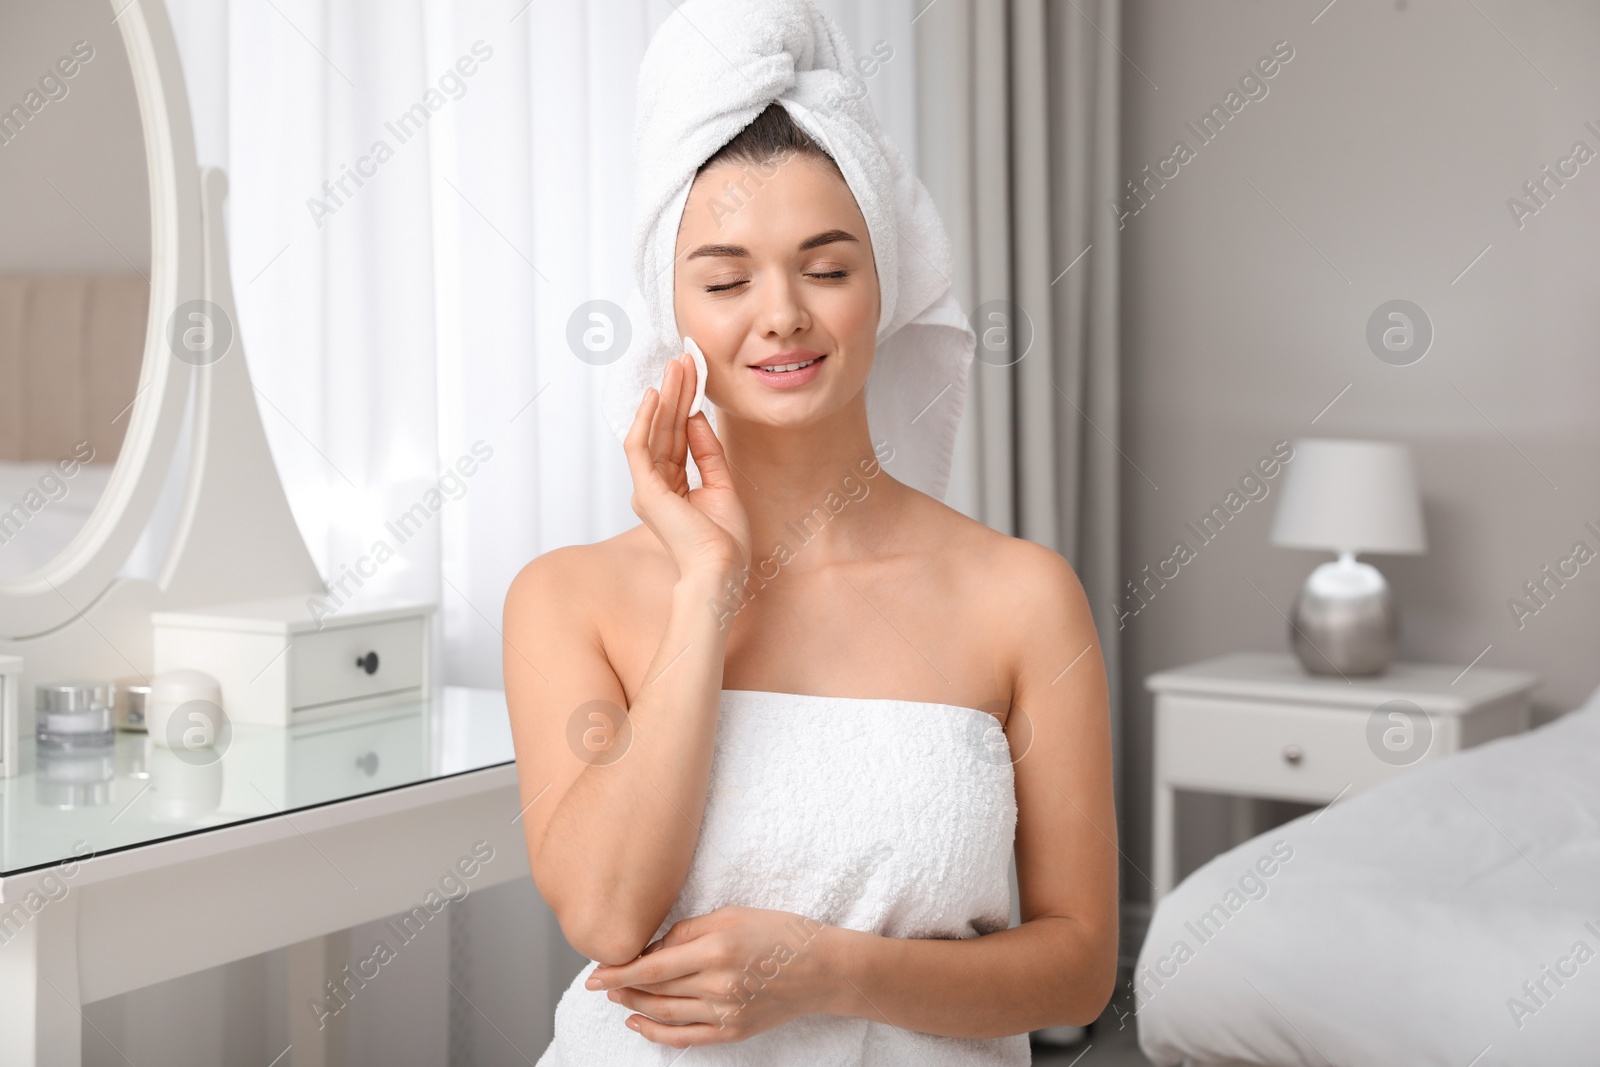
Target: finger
(680, 407)
(665, 963)
(686, 929)
(708, 454)
(636, 445)
(680, 410)
(661, 429)
(677, 1011)
(690, 985)
(682, 1036)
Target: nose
(782, 313)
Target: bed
(1450, 916)
(31, 538)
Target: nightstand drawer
(333, 665)
(1266, 749)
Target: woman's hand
(722, 977)
(704, 530)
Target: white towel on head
(710, 69)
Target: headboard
(71, 346)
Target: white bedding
(1399, 925)
(33, 538)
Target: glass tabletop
(61, 807)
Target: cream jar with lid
(74, 715)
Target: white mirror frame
(54, 596)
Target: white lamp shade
(1350, 496)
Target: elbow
(1085, 1006)
(599, 936)
(1089, 991)
(594, 929)
(608, 949)
(1085, 986)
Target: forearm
(1047, 972)
(624, 833)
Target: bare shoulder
(1025, 596)
(546, 582)
(1012, 571)
(586, 583)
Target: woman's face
(776, 261)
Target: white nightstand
(1255, 724)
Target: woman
(843, 697)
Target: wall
(1377, 166)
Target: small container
(132, 693)
(75, 715)
(202, 726)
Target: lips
(789, 370)
(786, 368)
(790, 358)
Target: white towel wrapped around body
(891, 817)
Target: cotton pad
(699, 374)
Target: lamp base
(1344, 621)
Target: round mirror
(74, 271)
(101, 225)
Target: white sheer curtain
(422, 195)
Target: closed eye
(833, 274)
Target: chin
(782, 411)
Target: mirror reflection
(74, 270)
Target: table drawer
(331, 665)
(1279, 750)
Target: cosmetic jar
(75, 715)
(132, 693)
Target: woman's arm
(610, 837)
(1059, 966)
(725, 976)
(612, 800)
(1008, 982)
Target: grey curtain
(1017, 143)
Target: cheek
(853, 315)
(709, 324)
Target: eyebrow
(827, 237)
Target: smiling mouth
(788, 368)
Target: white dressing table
(351, 783)
(293, 834)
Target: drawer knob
(1293, 754)
(368, 763)
(368, 663)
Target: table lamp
(1348, 497)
